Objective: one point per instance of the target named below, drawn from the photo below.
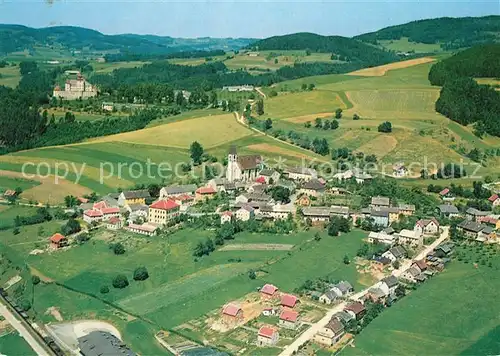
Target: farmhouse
(75, 89)
(410, 237)
(289, 319)
(448, 211)
(303, 174)
(57, 241)
(393, 213)
(342, 289)
(490, 221)
(341, 211)
(133, 197)
(446, 195)
(313, 188)
(399, 170)
(137, 212)
(427, 227)
(380, 217)
(380, 202)
(245, 213)
(232, 314)
(391, 283)
(174, 190)
(288, 300)
(413, 274)
(381, 237)
(162, 212)
(494, 200)
(474, 214)
(268, 291)
(470, 228)
(144, 229)
(242, 168)
(331, 333)
(91, 215)
(267, 336)
(114, 223)
(328, 298)
(204, 193)
(406, 209)
(355, 173)
(395, 253)
(316, 213)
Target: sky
(236, 18)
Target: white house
(395, 253)
(427, 227)
(242, 168)
(245, 213)
(301, 173)
(267, 336)
(226, 217)
(381, 237)
(410, 237)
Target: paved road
(309, 333)
(23, 331)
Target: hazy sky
(235, 18)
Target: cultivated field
(382, 70)
(10, 76)
(450, 314)
(102, 68)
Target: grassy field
(14, 344)
(383, 69)
(102, 68)
(13, 183)
(83, 116)
(10, 76)
(453, 313)
(9, 212)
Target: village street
(23, 331)
(309, 333)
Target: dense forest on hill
(481, 61)
(18, 38)
(451, 33)
(128, 56)
(352, 50)
(461, 98)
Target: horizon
(203, 19)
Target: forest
(451, 33)
(352, 50)
(129, 56)
(461, 98)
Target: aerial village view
(276, 183)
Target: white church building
(242, 168)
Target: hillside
(15, 38)
(344, 48)
(449, 33)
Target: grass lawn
(9, 212)
(13, 344)
(454, 313)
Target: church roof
(249, 162)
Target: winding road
(315, 328)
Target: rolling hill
(345, 48)
(15, 38)
(447, 32)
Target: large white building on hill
(242, 168)
(76, 89)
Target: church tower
(232, 164)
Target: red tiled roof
(231, 310)
(288, 300)
(266, 331)
(110, 210)
(269, 289)
(444, 191)
(493, 198)
(228, 213)
(92, 213)
(206, 190)
(57, 238)
(289, 315)
(82, 200)
(114, 220)
(487, 220)
(421, 264)
(164, 205)
(100, 205)
(183, 197)
(260, 179)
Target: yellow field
(380, 146)
(305, 118)
(9, 76)
(304, 103)
(382, 70)
(48, 191)
(276, 150)
(210, 131)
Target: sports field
(453, 313)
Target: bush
(104, 289)
(252, 275)
(120, 281)
(25, 304)
(35, 280)
(141, 274)
(117, 248)
(385, 127)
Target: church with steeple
(242, 168)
